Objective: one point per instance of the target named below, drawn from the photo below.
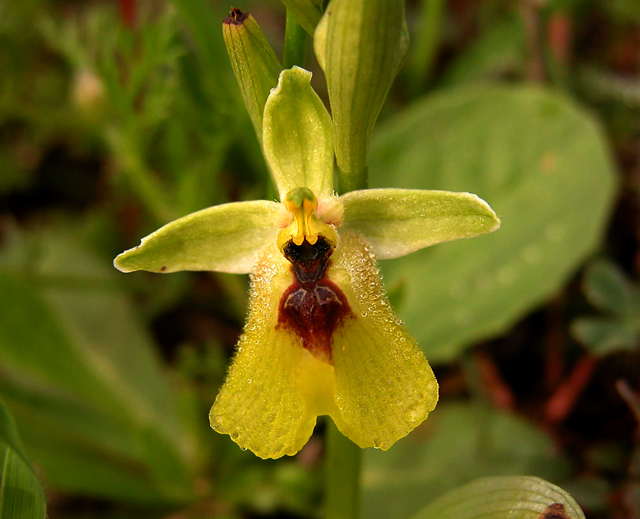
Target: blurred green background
(117, 117)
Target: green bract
(254, 63)
(360, 45)
(363, 368)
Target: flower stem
(348, 181)
(342, 473)
(423, 55)
(295, 43)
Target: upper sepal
(223, 238)
(396, 222)
(298, 135)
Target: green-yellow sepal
(360, 45)
(254, 63)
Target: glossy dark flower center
(313, 306)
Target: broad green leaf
(499, 49)
(360, 45)
(396, 222)
(85, 384)
(457, 444)
(601, 335)
(21, 496)
(298, 136)
(306, 12)
(608, 288)
(224, 238)
(542, 165)
(514, 497)
(254, 63)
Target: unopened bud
(360, 45)
(254, 63)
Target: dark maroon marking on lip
(309, 261)
(236, 17)
(554, 511)
(313, 307)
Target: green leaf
(602, 335)
(360, 45)
(396, 222)
(499, 49)
(457, 444)
(21, 496)
(224, 238)
(539, 161)
(608, 288)
(515, 497)
(306, 12)
(298, 136)
(85, 384)
(254, 63)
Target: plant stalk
(295, 43)
(342, 473)
(348, 181)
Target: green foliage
(21, 496)
(608, 289)
(458, 444)
(499, 49)
(85, 381)
(516, 497)
(543, 165)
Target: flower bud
(306, 12)
(360, 45)
(254, 63)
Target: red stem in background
(128, 12)
(497, 389)
(559, 34)
(565, 397)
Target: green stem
(342, 466)
(295, 43)
(424, 50)
(348, 181)
(342, 471)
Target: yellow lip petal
(384, 386)
(261, 404)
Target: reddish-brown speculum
(313, 306)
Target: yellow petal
(384, 385)
(262, 405)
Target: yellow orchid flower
(320, 337)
